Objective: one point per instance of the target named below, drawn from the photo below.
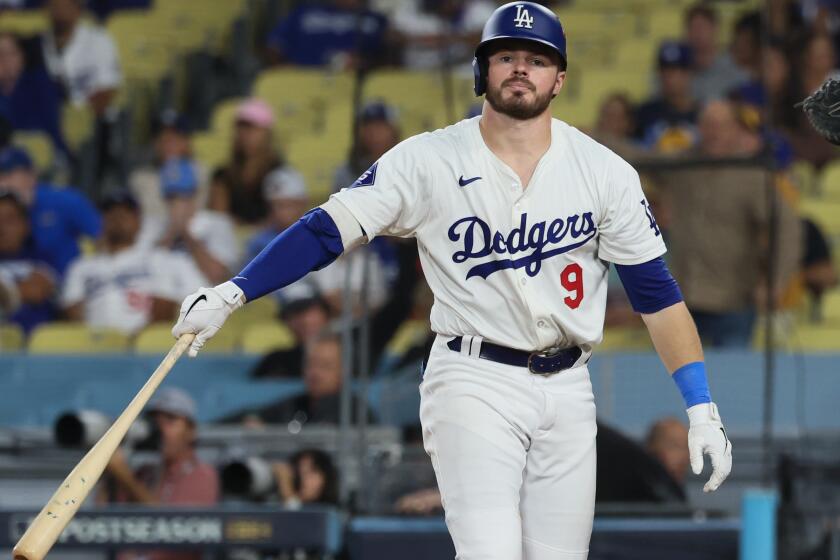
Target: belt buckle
(544, 354)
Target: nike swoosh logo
(726, 439)
(464, 182)
(202, 297)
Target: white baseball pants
(514, 456)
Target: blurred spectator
(172, 140)
(28, 283)
(285, 193)
(715, 73)
(206, 236)
(310, 477)
(814, 62)
(81, 56)
(616, 124)
(632, 473)
(59, 217)
(322, 378)
(126, 286)
(746, 45)
(178, 479)
(434, 33)
(667, 441)
(719, 231)
(377, 131)
(236, 189)
(343, 34)
(306, 318)
(29, 99)
(668, 122)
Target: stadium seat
(828, 181)
(70, 338)
(805, 177)
(11, 338)
(263, 310)
(24, 22)
(38, 144)
(76, 125)
(144, 48)
(317, 157)
(625, 338)
(831, 307)
(157, 339)
(212, 149)
(825, 213)
(261, 338)
(816, 338)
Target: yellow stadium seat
(221, 122)
(145, 49)
(198, 23)
(409, 334)
(302, 98)
(74, 338)
(157, 339)
(317, 157)
(831, 307)
(263, 310)
(825, 213)
(38, 144)
(828, 181)
(11, 338)
(625, 338)
(265, 337)
(662, 24)
(417, 96)
(212, 149)
(817, 338)
(76, 125)
(805, 177)
(24, 22)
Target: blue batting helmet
(518, 20)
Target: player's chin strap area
(541, 363)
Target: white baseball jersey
(117, 289)
(524, 268)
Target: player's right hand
(204, 312)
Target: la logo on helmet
(523, 18)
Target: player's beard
(516, 106)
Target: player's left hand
(706, 435)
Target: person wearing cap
(668, 122)
(27, 282)
(177, 478)
(172, 140)
(126, 286)
(377, 131)
(59, 217)
(236, 188)
(206, 236)
(285, 193)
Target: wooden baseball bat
(45, 529)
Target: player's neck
(509, 137)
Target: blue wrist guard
(691, 379)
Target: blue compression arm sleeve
(311, 243)
(691, 380)
(649, 286)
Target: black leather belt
(542, 363)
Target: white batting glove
(706, 435)
(205, 311)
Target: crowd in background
(125, 259)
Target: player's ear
(558, 84)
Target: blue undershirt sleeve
(309, 244)
(649, 285)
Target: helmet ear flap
(480, 68)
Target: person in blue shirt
(59, 217)
(340, 33)
(29, 99)
(668, 122)
(29, 283)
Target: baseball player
(517, 217)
